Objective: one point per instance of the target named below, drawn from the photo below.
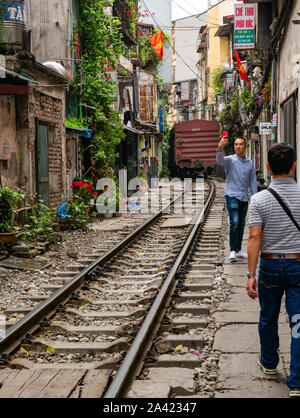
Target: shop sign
(254, 137)
(274, 119)
(265, 128)
(244, 26)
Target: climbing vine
(101, 43)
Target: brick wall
(50, 109)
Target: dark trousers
(275, 278)
(237, 211)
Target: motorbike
(260, 181)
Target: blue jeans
(275, 278)
(237, 211)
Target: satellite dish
(60, 69)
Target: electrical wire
(198, 16)
(197, 75)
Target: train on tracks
(192, 151)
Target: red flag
(158, 44)
(241, 69)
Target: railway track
(82, 342)
(167, 350)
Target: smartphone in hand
(225, 136)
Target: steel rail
(32, 321)
(131, 365)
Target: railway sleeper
(39, 345)
(136, 313)
(85, 330)
(186, 322)
(101, 302)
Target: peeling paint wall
(9, 146)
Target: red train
(193, 147)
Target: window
(289, 122)
(288, 111)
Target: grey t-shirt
(279, 234)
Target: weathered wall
(52, 25)
(9, 146)
(18, 135)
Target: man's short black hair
(281, 158)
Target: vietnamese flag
(157, 44)
(241, 69)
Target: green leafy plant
(72, 122)
(9, 199)
(217, 81)
(247, 100)
(39, 223)
(79, 213)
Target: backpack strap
(283, 205)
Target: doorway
(42, 161)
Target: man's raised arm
(219, 155)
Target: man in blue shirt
(240, 176)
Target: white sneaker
(241, 254)
(232, 256)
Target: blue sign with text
(15, 12)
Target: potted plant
(8, 205)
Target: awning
(223, 30)
(132, 130)
(84, 133)
(148, 127)
(5, 73)
(28, 78)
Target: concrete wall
(288, 79)
(186, 33)
(161, 18)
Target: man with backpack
(274, 230)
